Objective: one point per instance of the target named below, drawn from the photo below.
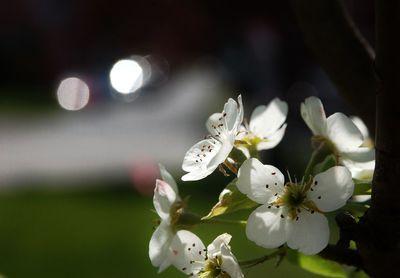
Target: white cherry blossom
(340, 133)
(266, 127)
(167, 204)
(291, 212)
(189, 255)
(205, 156)
(362, 170)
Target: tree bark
(379, 237)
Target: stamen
(290, 178)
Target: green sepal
(316, 264)
(230, 200)
(329, 162)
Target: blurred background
(93, 94)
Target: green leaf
(327, 163)
(230, 200)
(316, 264)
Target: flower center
(250, 139)
(212, 269)
(295, 199)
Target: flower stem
(310, 165)
(281, 252)
(230, 167)
(314, 159)
(254, 152)
(223, 221)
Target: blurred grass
(99, 234)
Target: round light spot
(73, 94)
(126, 76)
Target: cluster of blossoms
(291, 212)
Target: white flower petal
(343, 133)
(229, 121)
(222, 153)
(361, 126)
(313, 114)
(216, 125)
(266, 120)
(272, 140)
(360, 170)
(164, 197)
(215, 247)
(239, 119)
(332, 188)
(164, 266)
(260, 182)
(231, 109)
(360, 198)
(361, 154)
(159, 246)
(167, 177)
(309, 234)
(187, 252)
(229, 262)
(361, 174)
(266, 226)
(204, 157)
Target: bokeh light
(73, 94)
(126, 76)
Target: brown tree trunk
(379, 237)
